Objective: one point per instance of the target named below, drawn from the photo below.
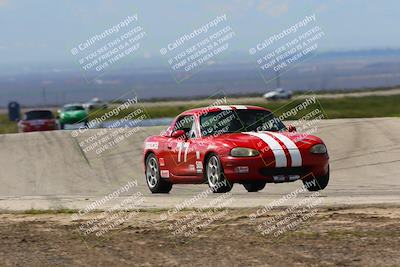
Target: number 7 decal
(182, 145)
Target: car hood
(74, 114)
(269, 94)
(272, 140)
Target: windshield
(243, 120)
(38, 115)
(72, 108)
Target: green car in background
(71, 114)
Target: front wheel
(154, 181)
(318, 183)
(254, 186)
(215, 176)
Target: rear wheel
(154, 181)
(215, 176)
(254, 186)
(318, 183)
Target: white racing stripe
(291, 146)
(224, 107)
(239, 107)
(279, 153)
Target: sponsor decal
(242, 169)
(199, 165)
(279, 178)
(151, 145)
(191, 167)
(197, 154)
(165, 173)
(182, 148)
(162, 162)
(284, 178)
(224, 107)
(239, 107)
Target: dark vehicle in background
(71, 114)
(37, 120)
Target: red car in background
(224, 145)
(37, 120)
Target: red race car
(223, 145)
(37, 120)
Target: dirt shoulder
(351, 236)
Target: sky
(46, 30)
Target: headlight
(244, 152)
(318, 149)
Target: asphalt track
(49, 170)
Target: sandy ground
(352, 236)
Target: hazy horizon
(60, 51)
(45, 31)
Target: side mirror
(291, 128)
(178, 134)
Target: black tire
(320, 183)
(62, 126)
(254, 186)
(85, 123)
(154, 181)
(215, 175)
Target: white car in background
(278, 93)
(95, 103)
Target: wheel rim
(213, 171)
(151, 172)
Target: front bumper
(37, 128)
(72, 120)
(240, 170)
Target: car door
(181, 156)
(187, 151)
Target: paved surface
(49, 170)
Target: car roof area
(38, 110)
(73, 105)
(203, 110)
